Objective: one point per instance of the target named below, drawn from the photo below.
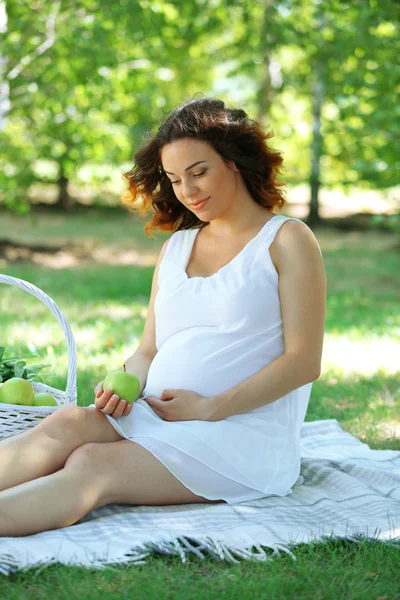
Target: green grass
(328, 571)
(106, 305)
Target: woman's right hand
(110, 403)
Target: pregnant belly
(208, 364)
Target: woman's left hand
(181, 405)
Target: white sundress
(211, 334)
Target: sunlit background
(82, 82)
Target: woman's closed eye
(194, 175)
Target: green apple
(17, 391)
(44, 399)
(123, 384)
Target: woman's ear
(231, 165)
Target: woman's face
(198, 173)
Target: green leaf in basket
(19, 369)
(10, 359)
(31, 378)
(21, 364)
(14, 366)
(36, 368)
(7, 373)
(9, 363)
(35, 378)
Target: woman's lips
(199, 205)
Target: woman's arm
(139, 363)
(302, 294)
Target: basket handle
(71, 390)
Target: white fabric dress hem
(243, 493)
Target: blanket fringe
(184, 546)
(8, 564)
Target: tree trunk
(4, 86)
(265, 90)
(64, 200)
(316, 150)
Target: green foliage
(14, 366)
(94, 92)
(113, 70)
(352, 49)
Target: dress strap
(177, 253)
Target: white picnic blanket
(349, 492)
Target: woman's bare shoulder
(294, 242)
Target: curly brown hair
(231, 133)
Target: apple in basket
(17, 391)
(125, 385)
(44, 399)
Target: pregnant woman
(231, 345)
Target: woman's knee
(66, 418)
(88, 464)
(91, 460)
(81, 423)
(84, 456)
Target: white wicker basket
(15, 418)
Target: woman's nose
(188, 189)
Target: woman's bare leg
(44, 449)
(95, 474)
(50, 502)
